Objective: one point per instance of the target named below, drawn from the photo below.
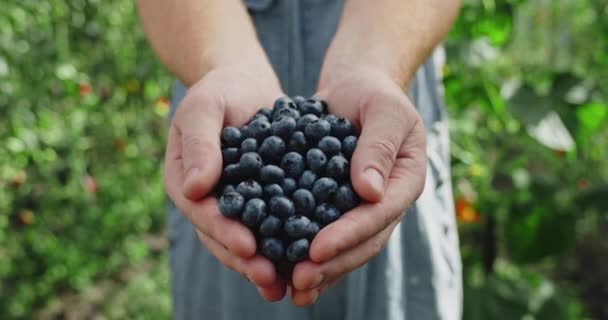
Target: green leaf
(592, 116)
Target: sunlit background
(83, 106)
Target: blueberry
(345, 198)
(348, 146)
(326, 213)
(287, 112)
(271, 190)
(249, 145)
(231, 204)
(298, 250)
(245, 131)
(259, 129)
(249, 189)
(337, 167)
(231, 173)
(324, 189)
(323, 102)
(231, 136)
(312, 106)
(228, 188)
(304, 201)
(230, 155)
(259, 116)
(272, 149)
(267, 112)
(317, 129)
(273, 249)
(284, 103)
(270, 226)
(299, 101)
(316, 160)
(342, 128)
(250, 163)
(283, 126)
(297, 226)
(281, 207)
(307, 179)
(271, 174)
(288, 186)
(313, 229)
(305, 120)
(331, 146)
(331, 118)
(293, 164)
(297, 142)
(254, 213)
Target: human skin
(211, 46)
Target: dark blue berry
(312, 106)
(272, 149)
(228, 188)
(298, 250)
(297, 142)
(345, 198)
(289, 186)
(326, 214)
(304, 201)
(313, 229)
(305, 120)
(271, 190)
(231, 173)
(337, 167)
(342, 128)
(245, 132)
(293, 164)
(267, 112)
(259, 129)
(283, 103)
(273, 249)
(331, 118)
(297, 226)
(259, 116)
(307, 180)
(281, 207)
(254, 212)
(249, 145)
(249, 189)
(250, 163)
(317, 129)
(283, 126)
(287, 113)
(231, 136)
(316, 160)
(323, 102)
(324, 189)
(271, 174)
(348, 146)
(230, 155)
(231, 204)
(270, 226)
(331, 146)
(299, 101)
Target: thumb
(384, 128)
(199, 124)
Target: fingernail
(317, 281)
(375, 179)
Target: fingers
(405, 183)
(258, 270)
(198, 122)
(305, 276)
(385, 121)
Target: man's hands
(388, 170)
(193, 165)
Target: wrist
(334, 73)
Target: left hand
(388, 170)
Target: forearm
(394, 36)
(192, 37)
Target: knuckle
(385, 150)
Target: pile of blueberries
(286, 176)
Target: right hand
(193, 166)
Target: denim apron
(418, 274)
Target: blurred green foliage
(83, 106)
